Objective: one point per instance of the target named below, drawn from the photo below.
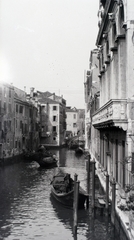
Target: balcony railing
(114, 113)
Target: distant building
(81, 121)
(52, 119)
(75, 120)
(7, 121)
(72, 120)
(18, 123)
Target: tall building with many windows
(112, 121)
(7, 121)
(52, 119)
(18, 123)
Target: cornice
(104, 22)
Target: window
(5, 126)
(132, 162)
(16, 144)
(20, 124)
(30, 112)
(36, 127)
(74, 125)
(123, 158)
(0, 90)
(54, 128)
(74, 116)
(4, 106)
(54, 108)
(9, 124)
(9, 107)
(116, 158)
(25, 128)
(21, 109)
(16, 107)
(4, 92)
(10, 93)
(54, 118)
(0, 126)
(16, 123)
(0, 107)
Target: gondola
(79, 151)
(62, 189)
(47, 162)
(43, 157)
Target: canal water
(28, 212)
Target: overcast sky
(46, 44)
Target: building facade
(112, 123)
(92, 97)
(81, 121)
(71, 120)
(75, 121)
(7, 122)
(18, 123)
(52, 119)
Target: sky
(46, 44)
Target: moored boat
(62, 189)
(75, 144)
(79, 150)
(43, 157)
(47, 162)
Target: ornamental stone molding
(111, 114)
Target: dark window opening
(54, 128)
(16, 107)
(54, 108)
(10, 93)
(54, 118)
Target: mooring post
(88, 174)
(107, 193)
(93, 184)
(113, 201)
(75, 177)
(88, 180)
(76, 196)
(75, 180)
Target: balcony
(112, 114)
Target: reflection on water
(27, 210)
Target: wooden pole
(113, 201)
(88, 174)
(76, 198)
(107, 192)
(75, 177)
(93, 184)
(75, 180)
(88, 180)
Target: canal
(27, 210)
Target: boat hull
(75, 146)
(79, 151)
(62, 189)
(47, 162)
(67, 199)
